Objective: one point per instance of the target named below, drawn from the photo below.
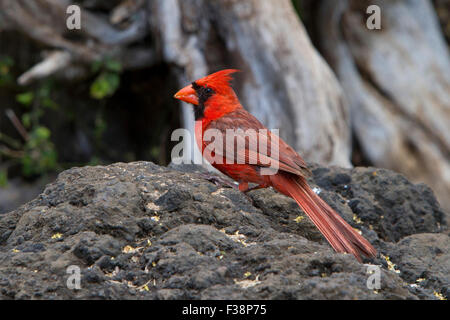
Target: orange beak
(187, 94)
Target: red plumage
(218, 108)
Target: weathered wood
(397, 81)
(45, 22)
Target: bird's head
(212, 96)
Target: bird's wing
(252, 143)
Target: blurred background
(341, 90)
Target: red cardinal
(216, 106)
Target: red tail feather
(341, 236)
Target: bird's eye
(208, 90)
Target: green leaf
(113, 65)
(96, 66)
(6, 61)
(105, 85)
(95, 161)
(47, 160)
(25, 98)
(40, 154)
(42, 133)
(27, 165)
(49, 103)
(45, 89)
(5, 65)
(26, 120)
(3, 178)
(113, 80)
(6, 79)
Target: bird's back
(244, 125)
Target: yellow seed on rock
(439, 295)
(127, 249)
(357, 219)
(57, 236)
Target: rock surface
(140, 231)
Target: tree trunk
(397, 81)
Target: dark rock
(385, 200)
(140, 231)
(424, 259)
(92, 246)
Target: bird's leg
(243, 186)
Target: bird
(217, 107)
